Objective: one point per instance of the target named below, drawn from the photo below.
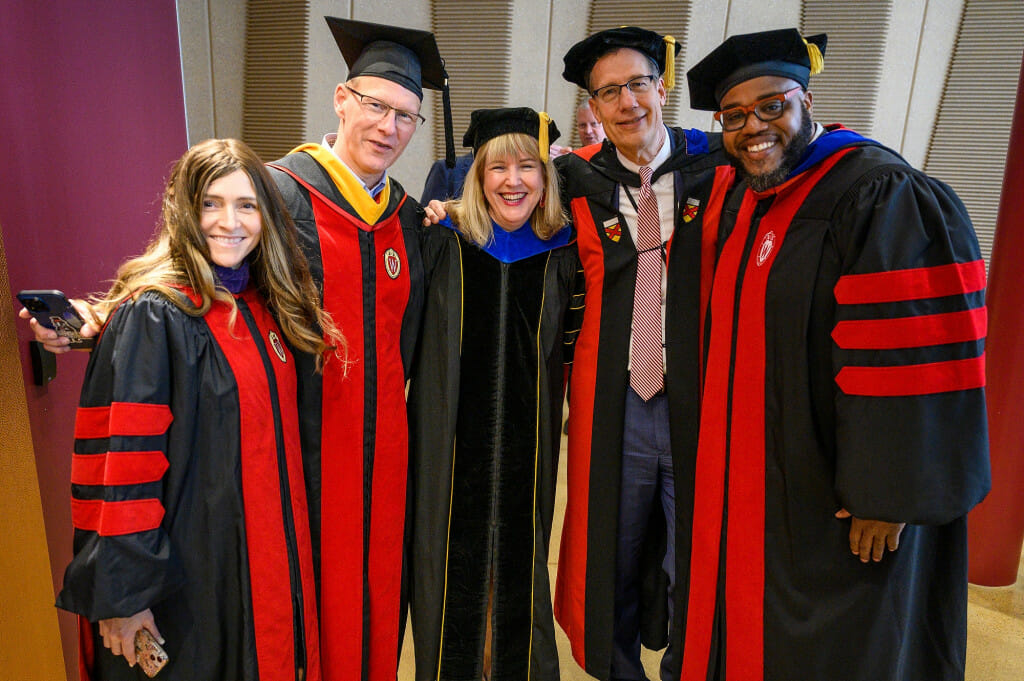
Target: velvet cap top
(782, 52)
(486, 124)
(582, 56)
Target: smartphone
(149, 654)
(52, 310)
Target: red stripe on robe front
(731, 454)
(345, 438)
(570, 588)
(262, 492)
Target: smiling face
(632, 122)
(368, 146)
(230, 219)
(513, 186)
(768, 151)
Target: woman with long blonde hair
(485, 409)
(188, 498)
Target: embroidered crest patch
(275, 342)
(613, 230)
(690, 209)
(767, 244)
(392, 263)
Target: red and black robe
(354, 430)
(591, 178)
(845, 369)
(187, 495)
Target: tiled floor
(995, 625)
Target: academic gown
(845, 370)
(485, 420)
(353, 425)
(187, 495)
(591, 177)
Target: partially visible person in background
(485, 409)
(590, 130)
(444, 183)
(187, 487)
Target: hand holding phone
(149, 654)
(50, 308)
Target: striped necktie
(646, 375)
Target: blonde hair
(179, 255)
(470, 213)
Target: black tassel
(449, 141)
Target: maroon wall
(91, 116)
(996, 526)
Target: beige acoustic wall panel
(847, 90)
(475, 38)
(969, 142)
(274, 109)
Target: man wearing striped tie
(843, 409)
(637, 205)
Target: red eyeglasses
(767, 109)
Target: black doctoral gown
(187, 495)
(845, 369)
(485, 424)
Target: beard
(791, 156)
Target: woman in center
(485, 409)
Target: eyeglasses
(376, 110)
(767, 109)
(640, 85)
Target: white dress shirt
(664, 192)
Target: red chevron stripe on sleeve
(122, 418)
(911, 332)
(916, 379)
(913, 284)
(112, 518)
(118, 468)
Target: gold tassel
(542, 135)
(670, 62)
(817, 61)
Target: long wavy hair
(179, 255)
(470, 212)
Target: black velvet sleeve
(908, 342)
(577, 303)
(123, 561)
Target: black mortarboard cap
(783, 53)
(486, 124)
(582, 56)
(406, 56)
